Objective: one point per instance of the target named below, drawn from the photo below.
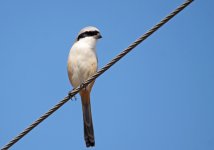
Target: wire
(97, 74)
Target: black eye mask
(87, 34)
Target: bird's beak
(99, 36)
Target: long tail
(87, 119)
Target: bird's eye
(95, 32)
(92, 33)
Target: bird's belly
(82, 68)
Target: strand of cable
(97, 74)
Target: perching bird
(82, 63)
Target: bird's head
(89, 33)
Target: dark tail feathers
(88, 125)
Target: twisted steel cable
(97, 74)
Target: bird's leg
(83, 86)
(70, 96)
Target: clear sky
(159, 97)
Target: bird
(83, 63)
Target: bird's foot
(71, 96)
(83, 86)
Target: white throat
(89, 42)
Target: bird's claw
(83, 86)
(70, 96)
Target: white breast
(82, 62)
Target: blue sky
(160, 96)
